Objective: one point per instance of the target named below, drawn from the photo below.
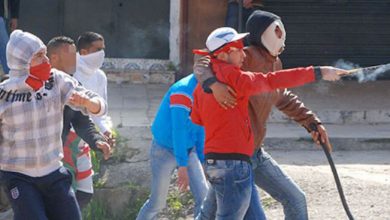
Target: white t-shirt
(96, 81)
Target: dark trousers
(41, 198)
(83, 198)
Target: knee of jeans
(298, 200)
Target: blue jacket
(172, 128)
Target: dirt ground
(365, 176)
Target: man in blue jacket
(177, 143)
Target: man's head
(62, 54)
(90, 42)
(25, 50)
(227, 45)
(266, 30)
(91, 49)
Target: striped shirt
(31, 122)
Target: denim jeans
(3, 44)
(163, 163)
(269, 177)
(41, 198)
(232, 194)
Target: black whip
(313, 127)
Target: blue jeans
(163, 163)
(232, 194)
(231, 19)
(41, 198)
(270, 178)
(3, 44)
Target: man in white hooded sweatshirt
(90, 58)
(31, 117)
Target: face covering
(38, 75)
(271, 41)
(93, 60)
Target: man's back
(260, 105)
(173, 112)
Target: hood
(20, 49)
(257, 23)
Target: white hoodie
(94, 79)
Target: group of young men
(230, 95)
(216, 116)
(44, 124)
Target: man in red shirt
(229, 139)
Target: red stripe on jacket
(180, 100)
(229, 131)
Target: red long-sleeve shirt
(229, 131)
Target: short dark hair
(86, 39)
(56, 42)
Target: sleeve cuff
(103, 108)
(182, 163)
(317, 73)
(309, 127)
(207, 83)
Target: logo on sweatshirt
(15, 193)
(15, 96)
(49, 83)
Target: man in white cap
(267, 40)
(31, 112)
(229, 139)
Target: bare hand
(182, 179)
(110, 138)
(224, 94)
(13, 24)
(105, 147)
(330, 73)
(79, 99)
(322, 133)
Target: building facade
(159, 35)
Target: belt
(228, 156)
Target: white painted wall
(174, 35)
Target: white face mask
(93, 60)
(271, 41)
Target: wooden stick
(363, 69)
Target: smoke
(148, 41)
(364, 74)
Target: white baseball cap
(221, 36)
